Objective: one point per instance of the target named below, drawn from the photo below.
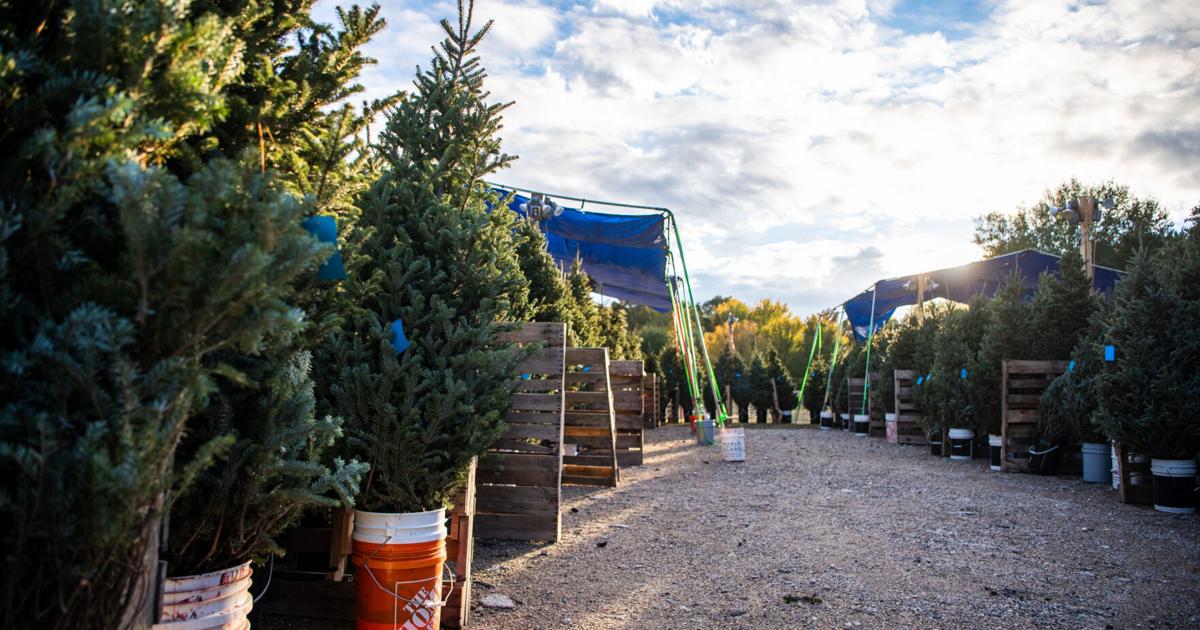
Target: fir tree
(549, 295)
(1007, 333)
(138, 254)
(1061, 310)
(779, 375)
(760, 389)
(729, 366)
(430, 260)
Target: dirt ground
(826, 530)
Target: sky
(810, 148)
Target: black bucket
(1174, 485)
(862, 424)
(826, 420)
(961, 444)
(1044, 457)
(935, 446)
(994, 453)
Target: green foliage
(1133, 222)
(760, 388)
(145, 255)
(1147, 397)
(270, 474)
(814, 392)
(1007, 334)
(548, 290)
(1061, 310)
(779, 375)
(429, 253)
(953, 352)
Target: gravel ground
(823, 529)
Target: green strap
(816, 345)
(870, 337)
(837, 342)
(683, 338)
(712, 376)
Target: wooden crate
(518, 491)
(1021, 387)
(908, 429)
(460, 549)
(589, 422)
(1127, 492)
(626, 378)
(854, 402)
(650, 404)
(325, 592)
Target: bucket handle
(445, 570)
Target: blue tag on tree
(1071, 365)
(526, 376)
(920, 379)
(587, 368)
(1110, 353)
(737, 375)
(324, 228)
(929, 376)
(963, 373)
(399, 341)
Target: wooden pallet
(1021, 387)
(589, 422)
(460, 550)
(626, 378)
(1127, 492)
(650, 404)
(908, 428)
(854, 402)
(519, 487)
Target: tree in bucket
(1064, 316)
(950, 378)
(1007, 333)
(1146, 388)
(784, 393)
(416, 369)
(142, 248)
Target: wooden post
(1087, 248)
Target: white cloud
(791, 138)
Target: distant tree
(1133, 222)
(761, 395)
(778, 374)
(1061, 310)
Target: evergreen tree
(582, 314)
(548, 291)
(1007, 332)
(779, 375)
(142, 259)
(814, 391)
(1061, 310)
(951, 370)
(430, 262)
(760, 389)
(1147, 396)
(729, 366)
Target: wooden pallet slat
(627, 379)
(1021, 386)
(519, 480)
(589, 419)
(908, 428)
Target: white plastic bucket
(733, 445)
(1095, 458)
(845, 421)
(826, 420)
(891, 429)
(960, 444)
(1174, 485)
(570, 450)
(220, 599)
(862, 424)
(383, 528)
(787, 416)
(995, 444)
(1116, 471)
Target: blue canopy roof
(960, 284)
(625, 254)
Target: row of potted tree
(224, 307)
(1131, 364)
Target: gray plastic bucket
(1097, 459)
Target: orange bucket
(694, 420)
(399, 587)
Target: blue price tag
(1071, 366)
(324, 228)
(963, 373)
(1110, 353)
(920, 379)
(399, 341)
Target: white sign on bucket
(733, 445)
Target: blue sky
(809, 148)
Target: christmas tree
(761, 395)
(784, 393)
(145, 255)
(1005, 322)
(416, 369)
(1061, 310)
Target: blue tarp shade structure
(626, 255)
(960, 284)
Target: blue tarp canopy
(625, 254)
(960, 284)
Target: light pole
(1085, 211)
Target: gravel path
(823, 529)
